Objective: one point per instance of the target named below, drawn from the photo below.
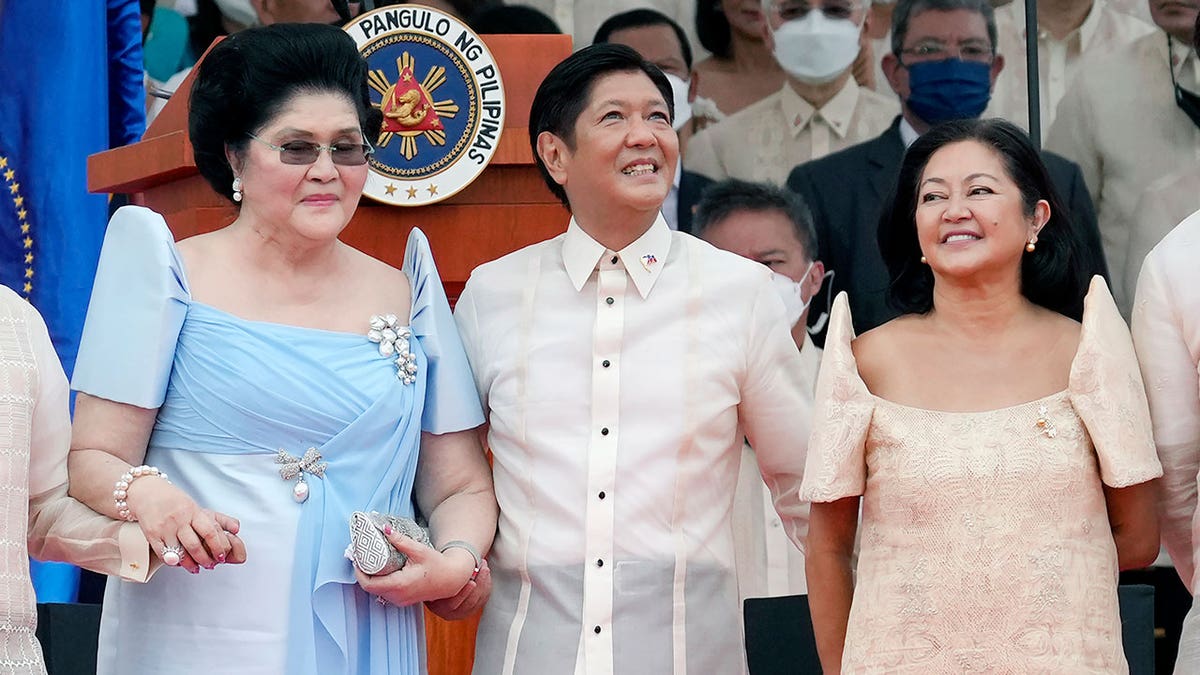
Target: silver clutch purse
(369, 548)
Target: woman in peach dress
(1000, 447)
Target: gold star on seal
(412, 193)
(390, 189)
(432, 189)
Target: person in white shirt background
(661, 41)
(1130, 118)
(770, 225)
(820, 108)
(621, 365)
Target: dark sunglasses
(307, 152)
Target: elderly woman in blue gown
(260, 383)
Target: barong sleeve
(59, 527)
(451, 400)
(139, 301)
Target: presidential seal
(442, 100)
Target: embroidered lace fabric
(985, 541)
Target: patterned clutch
(369, 548)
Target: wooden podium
(506, 208)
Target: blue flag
(72, 85)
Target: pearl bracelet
(121, 488)
(458, 543)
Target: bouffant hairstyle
(1053, 276)
(250, 76)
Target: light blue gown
(230, 394)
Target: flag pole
(1032, 73)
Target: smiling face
(314, 201)
(623, 156)
(970, 215)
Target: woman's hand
(427, 576)
(170, 518)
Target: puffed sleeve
(836, 465)
(451, 401)
(1106, 391)
(139, 301)
(59, 527)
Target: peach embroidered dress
(986, 545)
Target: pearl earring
(924, 261)
(237, 189)
(1032, 245)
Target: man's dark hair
(906, 9)
(563, 95)
(643, 18)
(249, 76)
(1052, 276)
(720, 200)
(712, 28)
(512, 20)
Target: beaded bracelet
(458, 543)
(121, 488)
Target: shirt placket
(602, 464)
(1056, 80)
(819, 134)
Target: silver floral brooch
(393, 341)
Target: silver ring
(172, 555)
(381, 600)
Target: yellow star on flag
(28, 242)
(28, 288)
(8, 175)
(19, 201)
(21, 214)
(28, 258)
(28, 272)
(24, 228)
(3, 162)
(14, 188)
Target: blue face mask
(951, 89)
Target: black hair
(712, 28)
(564, 93)
(247, 78)
(720, 200)
(905, 10)
(1053, 276)
(643, 18)
(512, 20)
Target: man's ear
(555, 155)
(891, 70)
(997, 66)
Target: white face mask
(792, 294)
(816, 49)
(683, 109)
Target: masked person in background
(942, 66)
(770, 225)
(661, 41)
(820, 108)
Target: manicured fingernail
(387, 529)
(210, 566)
(220, 557)
(195, 571)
